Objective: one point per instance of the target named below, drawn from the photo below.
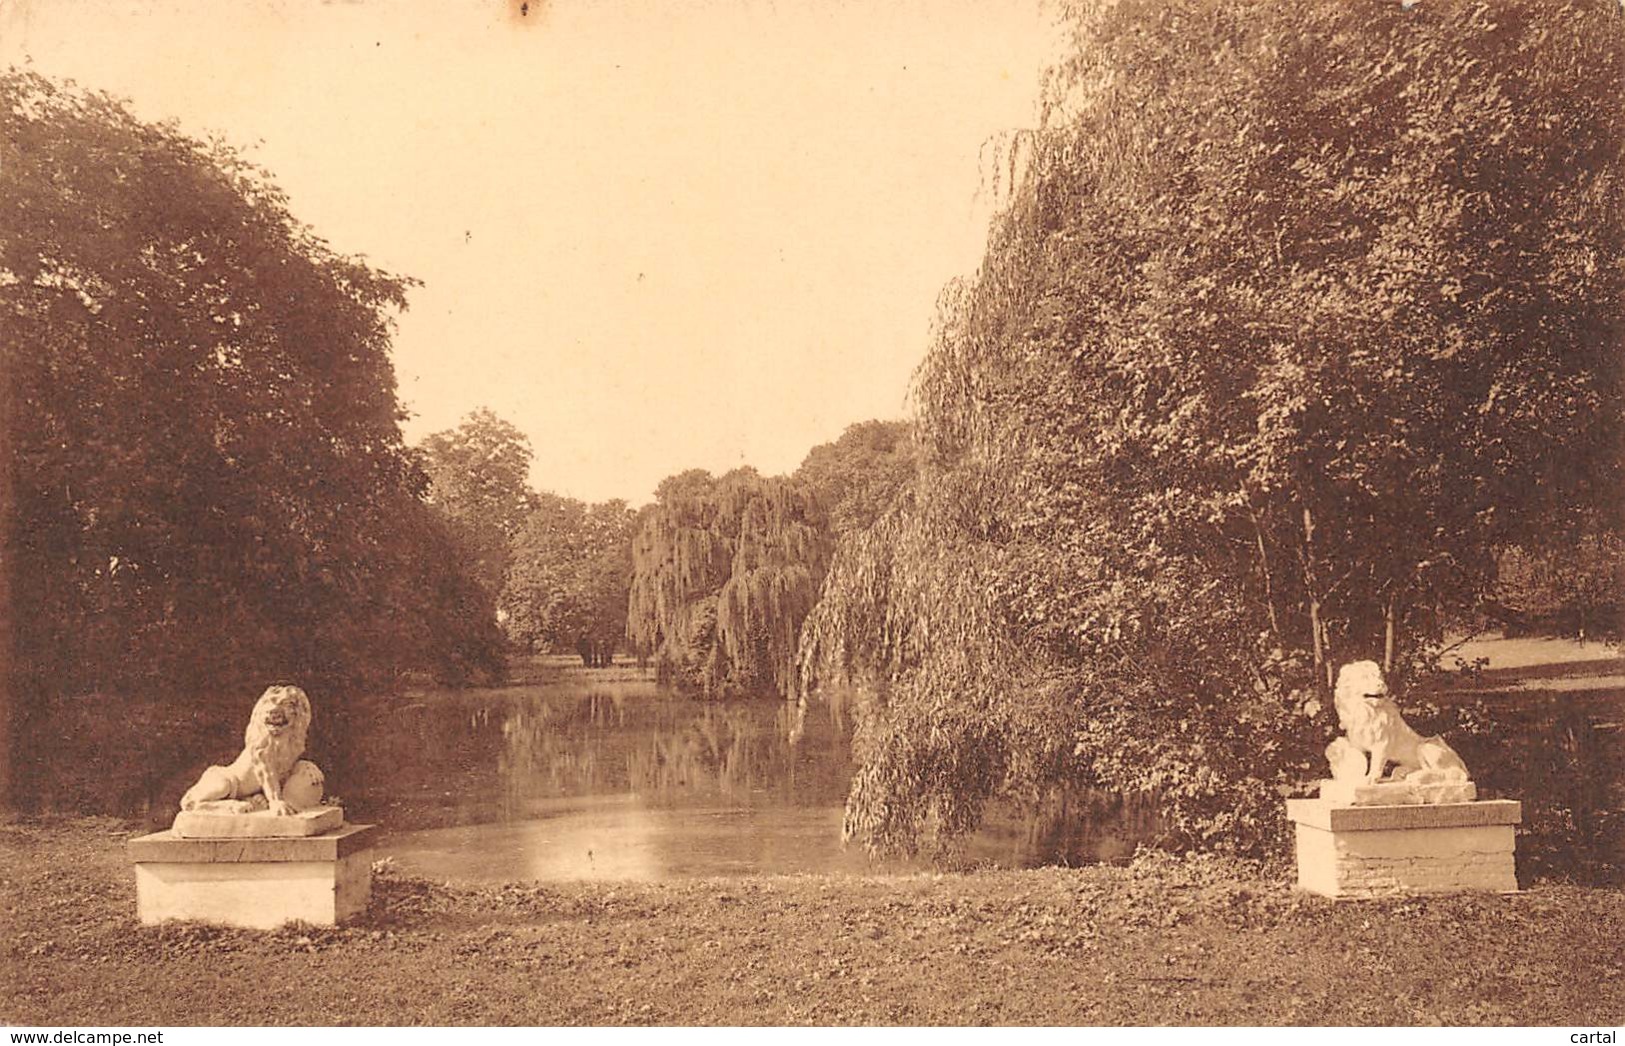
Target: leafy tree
(859, 475)
(1294, 317)
(478, 480)
(724, 571)
(205, 467)
(570, 575)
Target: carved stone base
(258, 883)
(1386, 851)
(207, 822)
(1396, 793)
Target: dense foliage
(1295, 316)
(860, 474)
(206, 482)
(479, 483)
(569, 576)
(725, 569)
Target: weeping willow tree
(1293, 317)
(724, 571)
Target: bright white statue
(267, 779)
(1375, 735)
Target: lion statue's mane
(1375, 734)
(273, 741)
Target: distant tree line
(711, 582)
(1570, 583)
(567, 587)
(554, 570)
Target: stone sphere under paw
(304, 787)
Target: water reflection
(627, 780)
(617, 837)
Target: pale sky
(654, 236)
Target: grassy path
(1193, 942)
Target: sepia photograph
(834, 514)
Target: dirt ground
(1195, 941)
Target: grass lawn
(1201, 941)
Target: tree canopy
(859, 475)
(479, 481)
(570, 576)
(207, 476)
(1294, 316)
(726, 569)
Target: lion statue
(1372, 726)
(268, 775)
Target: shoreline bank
(1164, 940)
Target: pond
(604, 774)
(613, 776)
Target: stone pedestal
(254, 882)
(1386, 851)
(206, 823)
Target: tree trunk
(1264, 568)
(1317, 627)
(8, 634)
(1390, 608)
(10, 676)
(1311, 584)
